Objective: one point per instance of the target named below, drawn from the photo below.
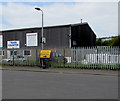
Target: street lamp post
(42, 37)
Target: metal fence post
(13, 57)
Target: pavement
(62, 70)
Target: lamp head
(37, 8)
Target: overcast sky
(101, 16)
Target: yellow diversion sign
(45, 53)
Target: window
(27, 52)
(31, 39)
(1, 41)
(1, 53)
(15, 52)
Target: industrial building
(56, 37)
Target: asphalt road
(46, 85)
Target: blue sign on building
(13, 44)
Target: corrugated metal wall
(56, 37)
(83, 35)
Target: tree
(106, 43)
(115, 41)
(99, 42)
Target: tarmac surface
(58, 83)
(62, 70)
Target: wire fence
(82, 57)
